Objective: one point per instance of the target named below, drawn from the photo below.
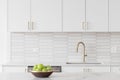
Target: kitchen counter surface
(60, 64)
(61, 76)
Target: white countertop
(61, 76)
(59, 64)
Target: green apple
(34, 68)
(44, 70)
(49, 68)
(40, 66)
(37, 70)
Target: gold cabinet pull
(28, 25)
(32, 25)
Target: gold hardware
(28, 25)
(32, 25)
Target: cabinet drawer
(86, 69)
(115, 69)
(72, 69)
(13, 69)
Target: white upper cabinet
(73, 15)
(46, 15)
(18, 15)
(114, 15)
(63, 15)
(34, 15)
(85, 15)
(97, 15)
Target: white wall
(58, 47)
(3, 31)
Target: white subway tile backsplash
(17, 59)
(58, 47)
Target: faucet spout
(84, 53)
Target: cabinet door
(46, 15)
(115, 69)
(73, 15)
(18, 15)
(97, 15)
(114, 15)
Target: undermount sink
(82, 63)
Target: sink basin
(82, 63)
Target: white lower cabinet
(13, 69)
(86, 69)
(65, 69)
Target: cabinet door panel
(115, 69)
(114, 15)
(46, 15)
(73, 15)
(97, 15)
(18, 15)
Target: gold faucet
(84, 53)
